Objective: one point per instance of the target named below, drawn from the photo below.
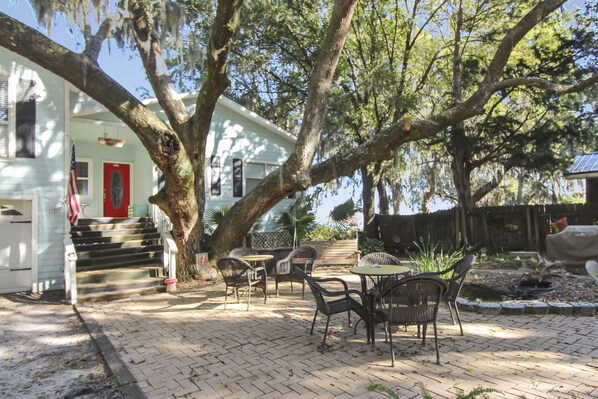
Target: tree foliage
(177, 146)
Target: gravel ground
(46, 351)
(568, 287)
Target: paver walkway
(185, 345)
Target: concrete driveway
(185, 345)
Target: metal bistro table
(378, 273)
(261, 259)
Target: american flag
(72, 194)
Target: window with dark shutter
(215, 174)
(25, 119)
(237, 177)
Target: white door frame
(34, 234)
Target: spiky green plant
(429, 259)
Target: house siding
(233, 136)
(42, 176)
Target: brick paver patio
(185, 345)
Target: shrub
(369, 245)
(327, 232)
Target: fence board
(507, 228)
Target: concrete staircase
(117, 258)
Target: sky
(128, 71)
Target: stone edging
(525, 307)
(127, 383)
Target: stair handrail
(70, 271)
(170, 251)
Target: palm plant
(296, 221)
(214, 216)
(342, 214)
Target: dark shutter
(592, 191)
(215, 174)
(237, 178)
(25, 119)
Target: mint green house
(42, 116)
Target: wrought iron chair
(456, 277)
(301, 258)
(346, 301)
(239, 274)
(412, 300)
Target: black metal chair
(455, 277)
(328, 306)
(412, 300)
(301, 258)
(239, 274)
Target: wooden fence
(506, 228)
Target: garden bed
(568, 287)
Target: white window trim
(256, 161)
(90, 181)
(12, 98)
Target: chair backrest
(242, 251)
(460, 270)
(316, 289)
(413, 300)
(233, 270)
(380, 258)
(304, 257)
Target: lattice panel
(270, 240)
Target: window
(7, 119)
(85, 177)
(255, 172)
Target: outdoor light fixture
(111, 142)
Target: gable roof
(90, 107)
(584, 165)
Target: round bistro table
(378, 273)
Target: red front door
(116, 190)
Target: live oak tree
(177, 146)
(522, 126)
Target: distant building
(585, 166)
